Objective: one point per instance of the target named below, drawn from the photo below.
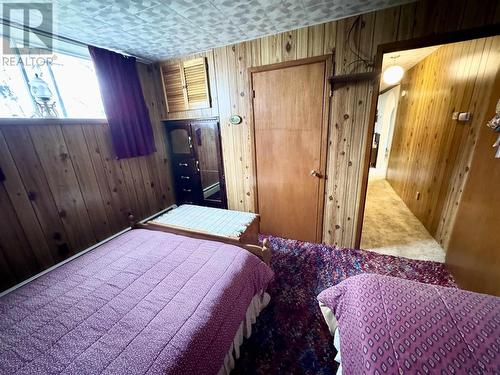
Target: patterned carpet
(290, 336)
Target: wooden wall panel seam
(57, 166)
(13, 240)
(109, 200)
(99, 236)
(28, 164)
(16, 192)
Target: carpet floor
(290, 336)
(390, 228)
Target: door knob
(315, 173)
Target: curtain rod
(3, 21)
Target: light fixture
(42, 95)
(40, 89)
(394, 73)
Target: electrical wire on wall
(351, 44)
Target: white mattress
(217, 221)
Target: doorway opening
(427, 109)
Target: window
(70, 79)
(186, 85)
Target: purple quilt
(390, 325)
(144, 303)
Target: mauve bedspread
(389, 325)
(144, 303)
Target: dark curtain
(123, 101)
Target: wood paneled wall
(350, 105)
(431, 152)
(473, 254)
(64, 190)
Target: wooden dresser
(196, 159)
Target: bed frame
(263, 252)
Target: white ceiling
(406, 59)
(159, 29)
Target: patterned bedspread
(390, 325)
(144, 303)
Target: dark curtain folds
(124, 103)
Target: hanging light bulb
(394, 73)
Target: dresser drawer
(188, 185)
(189, 191)
(186, 189)
(188, 196)
(185, 169)
(186, 180)
(182, 165)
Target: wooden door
(289, 106)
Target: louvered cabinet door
(173, 86)
(196, 83)
(186, 85)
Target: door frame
(432, 40)
(327, 59)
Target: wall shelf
(340, 80)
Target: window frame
(26, 121)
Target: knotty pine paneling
(64, 189)
(349, 107)
(473, 254)
(431, 152)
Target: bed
(384, 324)
(146, 302)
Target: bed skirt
(332, 324)
(258, 303)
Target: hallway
(390, 228)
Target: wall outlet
(464, 116)
(461, 116)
